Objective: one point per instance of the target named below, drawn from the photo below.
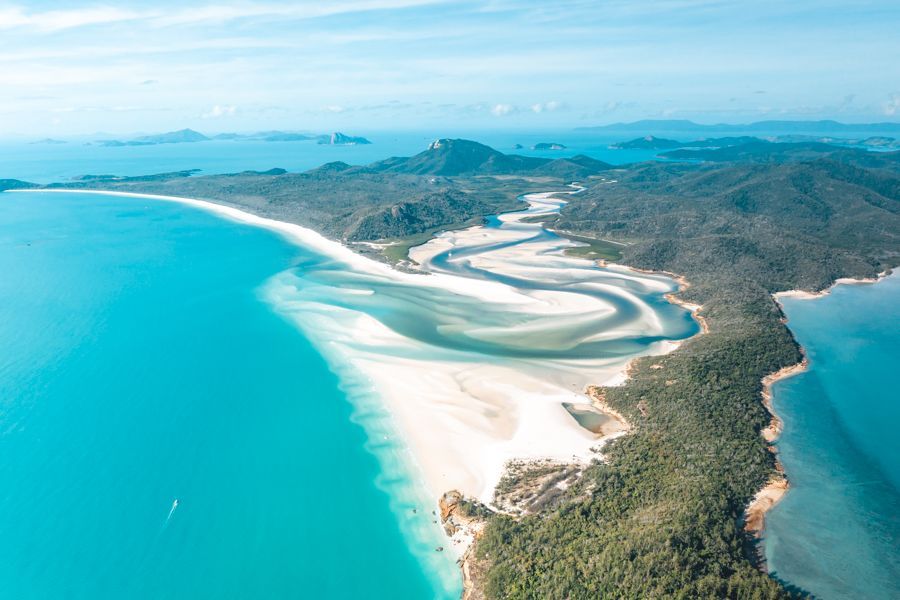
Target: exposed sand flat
(474, 357)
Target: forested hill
(790, 224)
(465, 157)
(341, 202)
(451, 184)
(15, 184)
(662, 518)
(766, 151)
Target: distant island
(647, 143)
(801, 127)
(49, 141)
(189, 136)
(182, 136)
(339, 139)
(655, 143)
(266, 136)
(548, 146)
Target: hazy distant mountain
(649, 126)
(49, 141)
(283, 136)
(266, 136)
(181, 136)
(339, 139)
(462, 157)
(229, 136)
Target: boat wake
(172, 511)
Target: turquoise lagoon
(836, 534)
(139, 365)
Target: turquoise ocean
(836, 534)
(138, 365)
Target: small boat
(172, 510)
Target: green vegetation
(594, 250)
(398, 203)
(343, 202)
(661, 519)
(15, 184)
(398, 250)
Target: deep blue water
(836, 533)
(138, 365)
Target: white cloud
(57, 20)
(892, 106)
(546, 106)
(501, 110)
(219, 110)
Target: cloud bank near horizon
(80, 67)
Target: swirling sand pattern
(476, 356)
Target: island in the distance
(188, 136)
(50, 142)
(548, 146)
(655, 143)
(340, 139)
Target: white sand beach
(462, 412)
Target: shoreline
(779, 484)
(672, 297)
(311, 239)
(532, 425)
(805, 295)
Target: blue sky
(81, 67)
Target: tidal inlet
(483, 350)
